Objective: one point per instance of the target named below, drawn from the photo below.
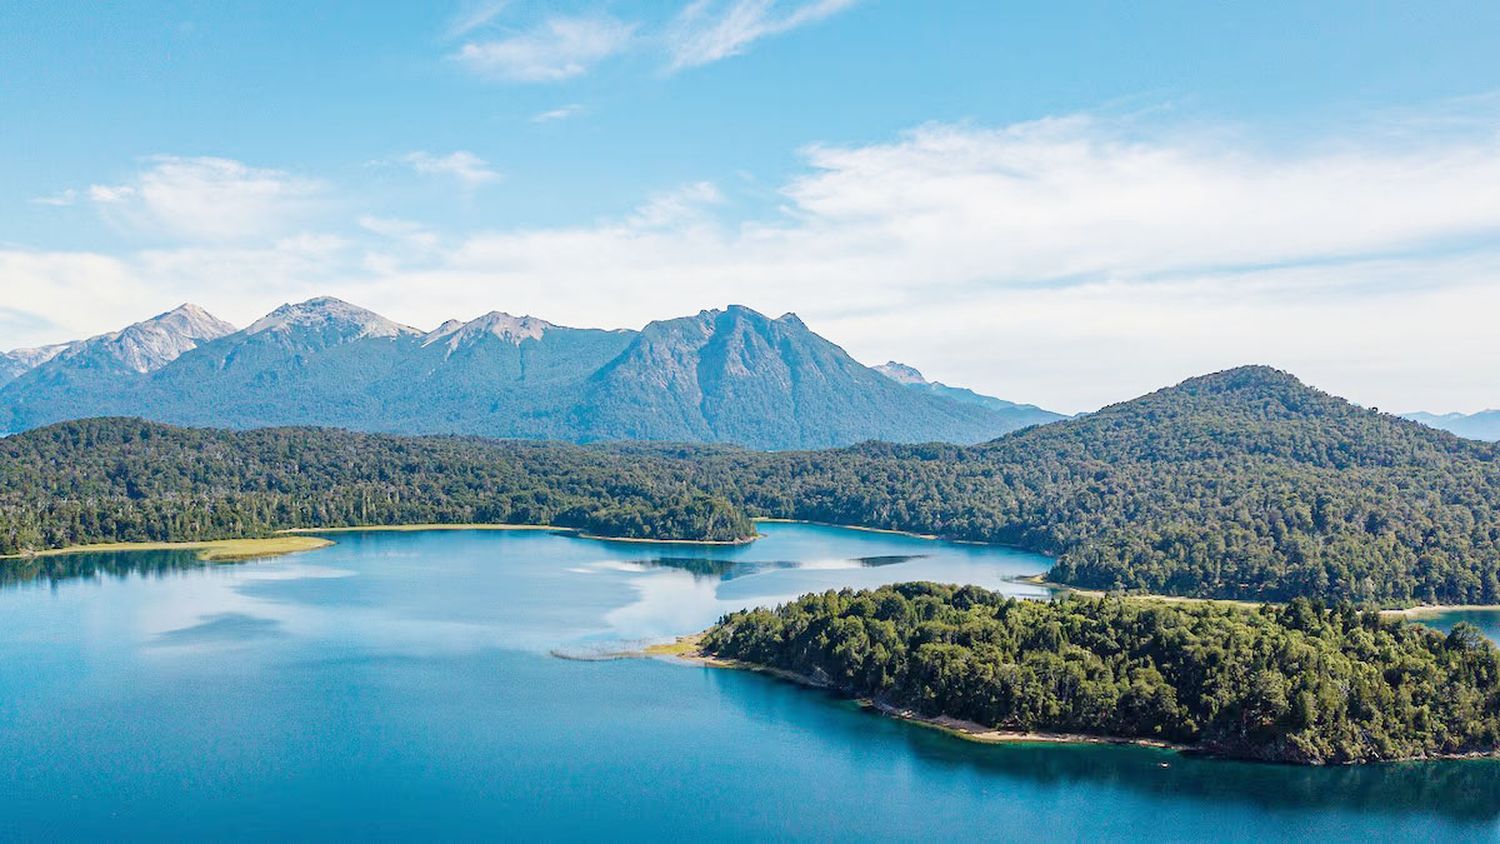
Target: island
(1298, 683)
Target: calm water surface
(409, 685)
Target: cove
(408, 685)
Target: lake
(457, 685)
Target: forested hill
(1242, 484)
(1300, 683)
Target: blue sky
(1065, 203)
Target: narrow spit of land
(213, 550)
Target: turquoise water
(408, 685)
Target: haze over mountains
(1484, 425)
(731, 375)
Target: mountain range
(731, 375)
(1484, 425)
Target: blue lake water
(410, 685)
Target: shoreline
(928, 536)
(1416, 612)
(685, 650)
(568, 531)
(1424, 610)
(209, 550)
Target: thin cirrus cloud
(707, 31)
(473, 16)
(564, 47)
(558, 48)
(468, 169)
(1068, 261)
(60, 199)
(556, 114)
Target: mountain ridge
(1483, 425)
(911, 377)
(723, 375)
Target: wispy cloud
(558, 48)
(556, 114)
(475, 15)
(684, 206)
(706, 31)
(59, 199)
(205, 198)
(1068, 261)
(470, 170)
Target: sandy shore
(688, 649)
(216, 550)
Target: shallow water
(403, 685)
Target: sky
(1064, 203)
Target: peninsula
(1301, 683)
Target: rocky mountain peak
(901, 373)
(326, 313)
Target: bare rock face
(330, 318)
(149, 345)
(496, 324)
(17, 362)
(901, 373)
(141, 347)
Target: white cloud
(557, 49)
(469, 169)
(559, 113)
(1068, 262)
(108, 194)
(475, 15)
(706, 31)
(207, 199)
(685, 206)
(59, 199)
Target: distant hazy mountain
(908, 375)
(1484, 425)
(720, 376)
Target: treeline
(1297, 683)
(1243, 484)
(127, 480)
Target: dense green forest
(1242, 484)
(128, 480)
(1295, 683)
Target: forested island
(1243, 484)
(1299, 683)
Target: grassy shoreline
(209, 550)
